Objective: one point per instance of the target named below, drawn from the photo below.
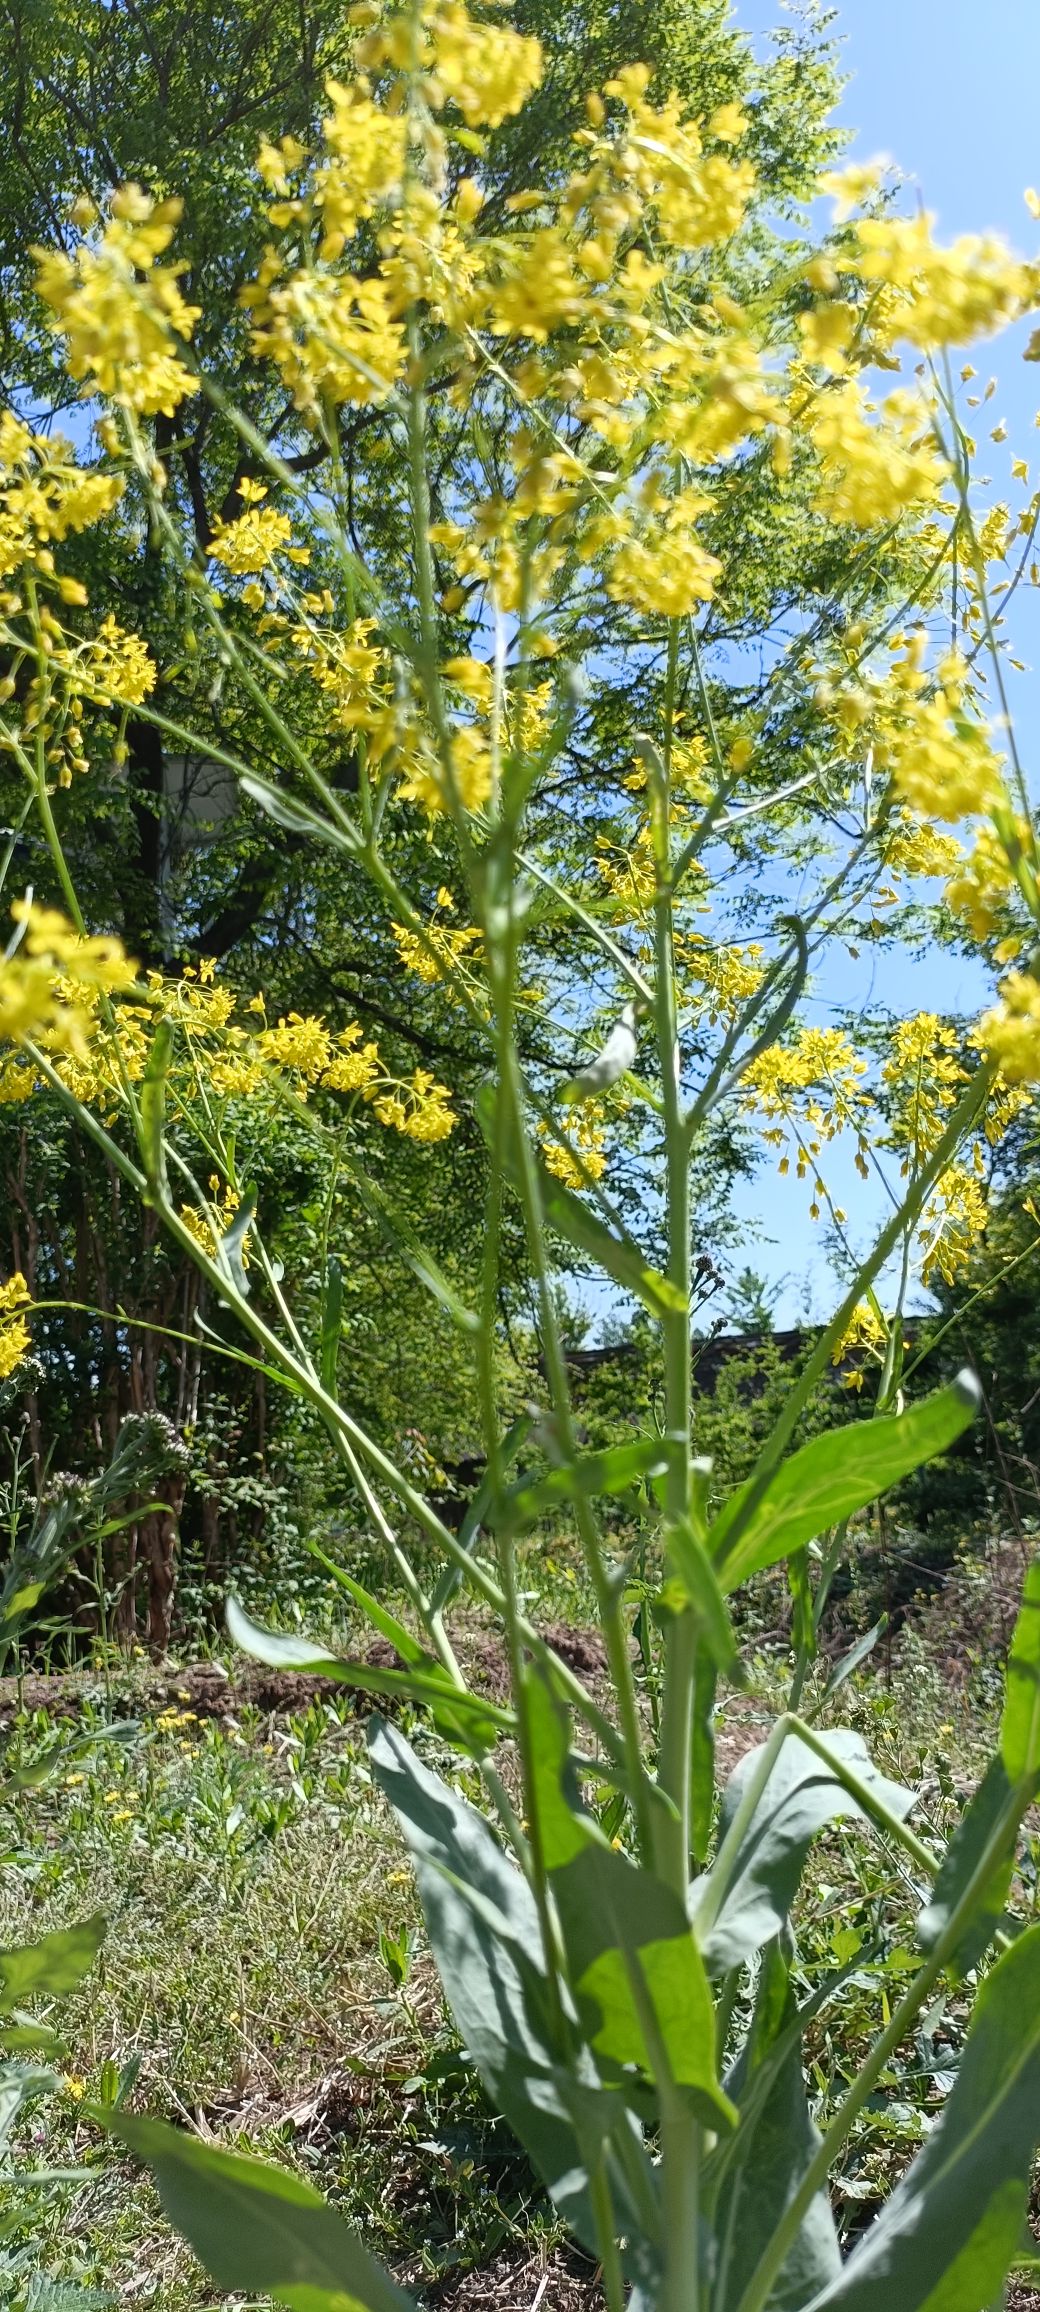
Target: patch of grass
(265, 1969)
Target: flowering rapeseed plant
(631, 394)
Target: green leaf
(743, 1901)
(1020, 1723)
(637, 1973)
(296, 817)
(585, 1479)
(420, 1261)
(763, 2164)
(856, 1655)
(639, 1977)
(484, 1931)
(469, 1531)
(833, 1476)
(702, 1770)
(257, 2229)
(331, 1325)
(700, 1583)
(52, 1966)
(460, 1716)
(945, 2239)
(231, 1247)
(29, 1595)
(616, 1252)
(978, 1825)
(152, 1107)
(22, 2037)
(379, 1615)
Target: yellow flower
(303, 1045)
(355, 1066)
(872, 472)
(118, 665)
(441, 953)
(1010, 1032)
(937, 297)
(329, 334)
(487, 70)
(667, 571)
(251, 543)
(14, 1332)
(121, 313)
(576, 1155)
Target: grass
(264, 1969)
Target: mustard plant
(587, 410)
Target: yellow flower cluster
(416, 1105)
(119, 312)
(872, 473)
(1010, 1032)
(50, 980)
(666, 569)
(251, 542)
(807, 1092)
(209, 1229)
(922, 1076)
(45, 496)
(937, 297)
(441, 954)
(864, 1338)
(14, 1332)
(696, 198)
(918, 723)
(721, 976)
(576, 1155)
(51, 983)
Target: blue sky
(947, 89)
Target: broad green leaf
(616, 1252)
(833, 1476)
(639, 1977)
(764, 2162)
(1020, 1724)
(257, 2229)
(483, 1926)
(991, 1802)
(23, 1598)
(20, 2084)
(44, 2295)
(462, 1717)
(22, 2037)
(52, 1966)
(585, 1479)
(945, 2239)
(744, 1900)
(636, 1971)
